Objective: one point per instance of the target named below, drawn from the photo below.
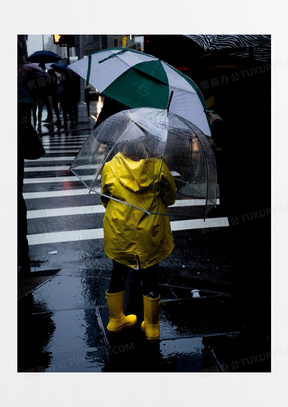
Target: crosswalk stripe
(61, 143)
(66, 236)
(61, 158)
(70, 178)
(54, 194)
(57, 146)
(91, 234)
(51, 151)
(51, 168)
(57, 139)
(191, 202)
(199, 224)
(92, 209)
(77, 210)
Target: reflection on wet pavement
(62, 328)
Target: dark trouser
(41, 103)
(149, 279)
(55, 108)
(67, 110)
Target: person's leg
(115, 300)
(50, 111)
(118, 277)
(40, 110)
(149, 281)
(151, 303)
(56, 110)
(65, 114)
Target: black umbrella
(44, 57)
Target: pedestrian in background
(53, 90)
(46, 99)
(67, 95)
(133, 239)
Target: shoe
(151, 324)
(117, 319)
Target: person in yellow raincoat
(135, 238)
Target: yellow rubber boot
(117, 319)
(151, 324)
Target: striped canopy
(136, 79)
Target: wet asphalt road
(62, 313)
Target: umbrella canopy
(61, 67)
(136, 80)
(28, 72)
(153, 139)
(32, 80)
(44, 57)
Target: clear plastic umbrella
(163, 140)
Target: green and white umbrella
(136, 80)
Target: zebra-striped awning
(243, 44)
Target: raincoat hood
(136, 176)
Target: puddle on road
(184, 355)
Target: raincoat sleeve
(168, 190)
(104, 188)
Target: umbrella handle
(170, 98)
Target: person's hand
(213, 117)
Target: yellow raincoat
(129, 233)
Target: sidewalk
(63, 318)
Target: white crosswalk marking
(58, 168)
(77, 144)
(56, 179)
(54, 194)
(74, 235)
(62, 179)
(58, 147)
(84, 210)
(77, 210)
(52, 159)
(57, 151)
(65, 236)
(50, 168)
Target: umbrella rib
(112, 56)
(125, 203)
(88, 70)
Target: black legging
(149, 279)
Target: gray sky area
(35, 43)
